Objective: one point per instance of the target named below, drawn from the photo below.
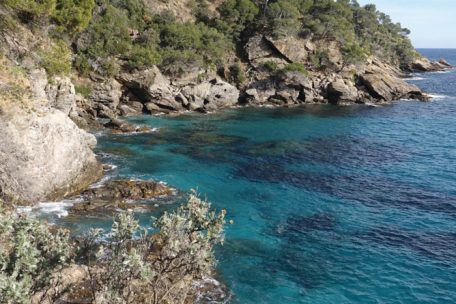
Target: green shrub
(32, 8)
(141, 57)
(237, 73)
(271, 66)
(133, 264)
(57, 60)
(29, 253)
(73, 16)
(295, 67)
(83, 89)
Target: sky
(432, 22)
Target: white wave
(415, 78)
(101, 182)
(437, 96)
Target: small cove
(330, 204)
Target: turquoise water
(330, 204)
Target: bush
(129, 266)
(56, 60)
(237, 74)
(29, 254)
(83, 89)
(141, 57)
(73, 15)
(295, 67)
(137, 266)
(271, 66)
(32, 9)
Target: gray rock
(340, 91)
(107, 93)
(44, 156)
(61, 94)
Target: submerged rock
(117, 194)
(121, 126)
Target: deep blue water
(330, 204)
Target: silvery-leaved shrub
(158, 268)
(30, 251)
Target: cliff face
(43, 154)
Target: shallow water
(330, 204)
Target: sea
(330, 204)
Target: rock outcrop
(425, 65)
(158, 93)
(44, 156)
(117, 194)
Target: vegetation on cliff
(108, 36)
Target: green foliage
(73, 16)
(141, 57)
(295, 67)
(198, 38)
(29, 253)
(320, 60)
(182, 249)
(237, 74)
(56, 60)
(235, 16)
(284, 18)
(353, 53)
(32, 9)
(83, 89)
(271, 66)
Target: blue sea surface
(330, 204)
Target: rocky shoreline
(42, 140)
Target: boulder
(61, 94)
(107, 93)
(384, 84)
(44, 156)
(117, 194)
(210, 95)
(148, 85)
(340, 91)
(259, 51)
(121, 126)
(425, 65)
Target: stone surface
(116, 194)
(61, 94)
(121, 126)
(107, 93)
(340, 91)
(44, 156)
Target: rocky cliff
(43, 154)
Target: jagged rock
(104, 111)
(121, 126)
(340, 91)
(293, 48)
(117, 193)
(126, 110)
(38, 82)
(61, 94)
(221, 95)
(445, 63)
(107, 93)
(425, 65)
(382, 84)
(44, 156)
(148, 85)
(259, 51)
